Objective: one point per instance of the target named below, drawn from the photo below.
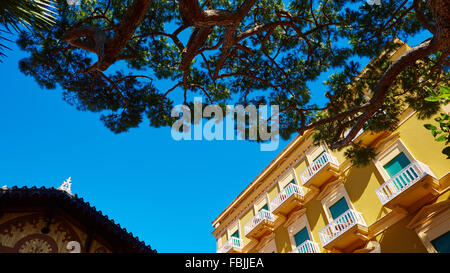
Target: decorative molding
(371, 247)
(431, 222)
(428, 212)
(264, 241)
(31, 225)
(249, 246)
(66, 185)
(384, 223)
(387, 141)
(329, 188)
(294, 216)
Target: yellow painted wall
(360, 184)
(222, 239)
(282, 240)
(247, 217)
(316, 218)
(273, 192)
(414, 135)
(339, 155)
(399, 239)
(302, 165)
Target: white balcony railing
(407, 177)
(258, 218)
(340, 225)
(317, 165)
(307, 247)
(285, 194)
(233, 242)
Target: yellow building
(311, 199)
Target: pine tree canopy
(106, 55)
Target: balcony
(415, 182)
(307, 247)
(345, 233)
(260, 225)
(324, 168)
(233, 245)
(288, 199)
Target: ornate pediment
(427, 213)
(294, 216)
(329, 188)
(265, 240)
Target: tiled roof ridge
(88, 210)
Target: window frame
(294, 234)
(388, 154)
(296, 226)
(331, 198)
(314, 152)
(235, 226)
(434, 228)
(284, 182)
(260, 203)
(334, 204)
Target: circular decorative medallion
(36, 244)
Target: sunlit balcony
(413, 183)
(307, 247)
(260, 225)
(346, 232)
(288, 199)
(323, 169)
(233, 245)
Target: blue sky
(166, 192)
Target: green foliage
(31, 14)
(273, 66)
(440, 132)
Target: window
(336, 202)
(266, 207)
(287, 180)
(318, 159)
(298, 229)
(236, 234)
(393, 158)
(397, 164)
(288, 190)
(442, 243)
(301, 236)
(432, 225)
(292, 182)
(339, 208)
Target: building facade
(310, 199)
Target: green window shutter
(318, 159)
(301, 236)
(292, 182)
(442, 243)
(339, 208)
(397, 164)
(266, 207)
(236, 234)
